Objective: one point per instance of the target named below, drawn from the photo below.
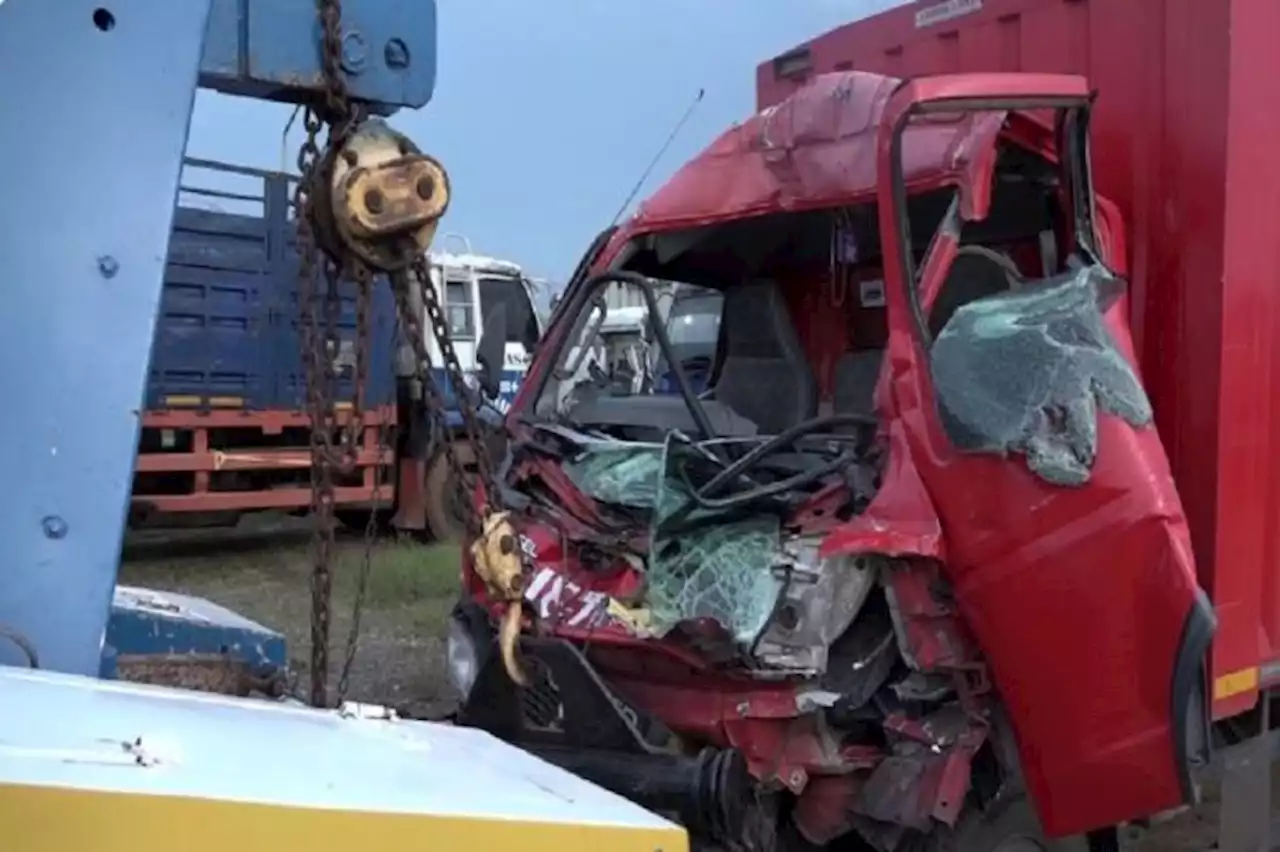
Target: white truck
(470, 287)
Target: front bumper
(570, 717)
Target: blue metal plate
(96, 115)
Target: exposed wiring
(33, 659)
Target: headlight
(462, 659)
(817, 605)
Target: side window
(693, 326)
(522, 321)
(460, 309)
(1022, 362)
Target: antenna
(671, 137)
(284, 140)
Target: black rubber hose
(800, 479)
(783, 439)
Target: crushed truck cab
(912, 568)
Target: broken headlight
(462, 658)
(820, 598)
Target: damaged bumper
(568, 716)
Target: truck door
(1063, 534)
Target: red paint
(1183, 148)
(1076, 596)
(1036, 569)
(253, 501)
(229, 441)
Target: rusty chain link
(364, 357)
(322, 345)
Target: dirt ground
(262, 571)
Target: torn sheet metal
(1028, 371)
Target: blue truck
(225, 428)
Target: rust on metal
(200, 672)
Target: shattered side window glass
(1027, 371)
(715, 564)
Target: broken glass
(1027, 372)
(715, 564)
(625, 474)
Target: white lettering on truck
(946, 11)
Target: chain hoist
(369, 202)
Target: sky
(546, 113)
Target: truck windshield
(522, 320)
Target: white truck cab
(469, 287)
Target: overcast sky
(547, 112)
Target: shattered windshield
(1028, 371)
(709, 564)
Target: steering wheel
(705, 498)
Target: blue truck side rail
(225, 427)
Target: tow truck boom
(94, 141)
(84, 250)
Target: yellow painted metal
(1234, 683)
(59, 819)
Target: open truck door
(1023, 418)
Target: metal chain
(364, 356)
(318, 406)
(317, 355)
(418, 274)
(342, 116)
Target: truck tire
(443, 512)
(1011, 827)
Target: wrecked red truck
(912, 573)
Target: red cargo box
(1185, 140)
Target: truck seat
(764, 375)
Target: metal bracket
(267, 49)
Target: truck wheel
(1012, 827)
(444, 511)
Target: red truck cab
(1185, 153)
(913, 572)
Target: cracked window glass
(1027, 372)
(715, 564)
(625, 474)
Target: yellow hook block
(496, 557)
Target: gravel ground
(263, 572)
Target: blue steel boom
(94, 140)
(84, 269)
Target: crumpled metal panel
(1028, 372)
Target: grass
(265, 576)
(419, 579)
